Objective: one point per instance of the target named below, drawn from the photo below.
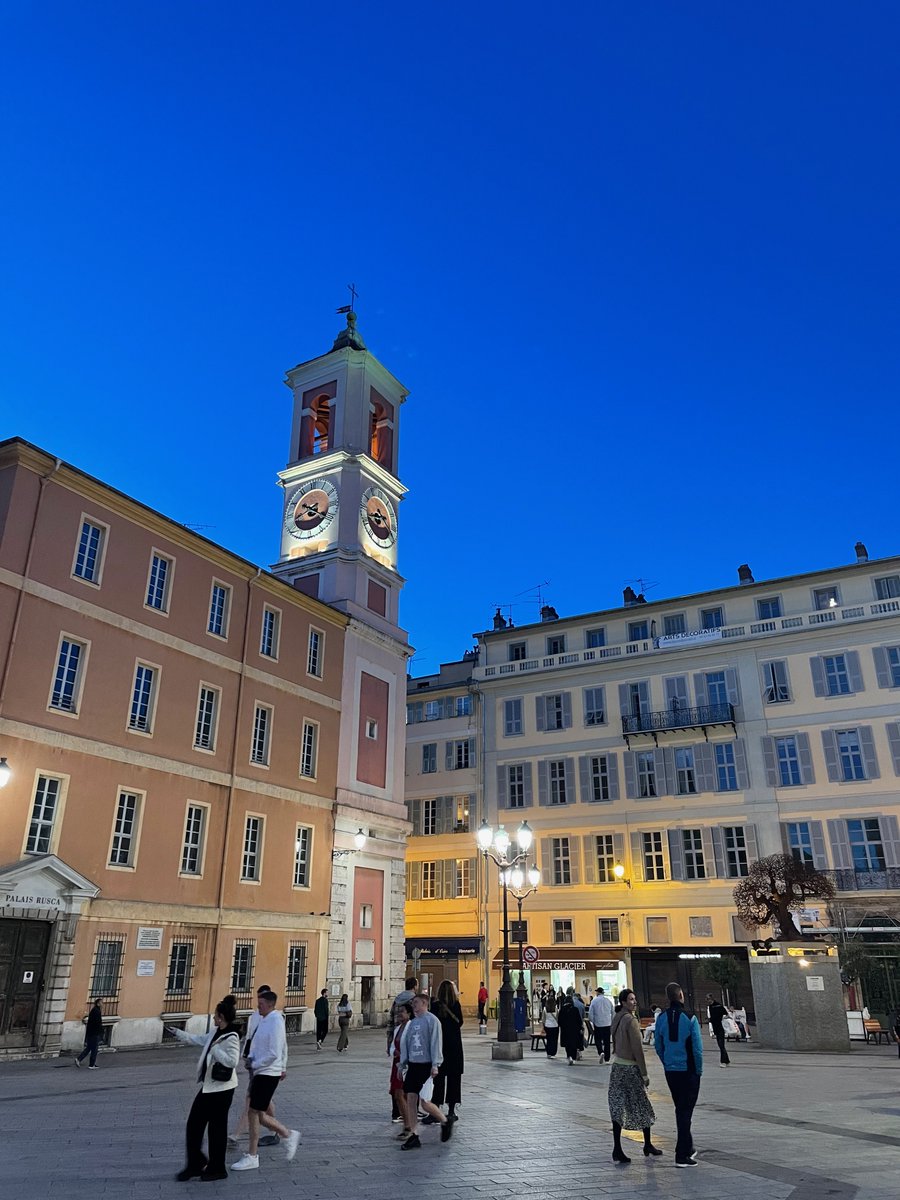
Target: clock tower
(339, 536)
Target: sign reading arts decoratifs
(696, 637)
(149, 938)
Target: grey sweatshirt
(421, 1041)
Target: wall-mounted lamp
(619, 872)
(359, 840)
(5, 772)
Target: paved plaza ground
(773, 1126)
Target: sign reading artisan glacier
(696, 637)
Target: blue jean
(91, 1045)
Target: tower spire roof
(349, 338)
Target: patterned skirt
(629, 1104)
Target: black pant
(209, 1109)
(601, 1040)
(482, 1015)
(321, 1030)
(685, 1088)
(91, 1045)
(723, 1053)
(447, 1086)
(552, 1036)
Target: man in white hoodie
(268, 1061)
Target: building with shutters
(680, 739)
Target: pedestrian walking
(320, 1012)
(717, 1015)
(629, 1104)
(482, 1004)
(404, 997)
(551, 1025)
(679, 1045)
(268, 1061)
(571, 1029)
(345, 1012)
(448, 1083)
(93, 1032)
(217, 1077)
(601, 1014)
(244, 1122)
(421, 1055)
(399, 1112)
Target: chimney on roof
(862, 554)
(499, 620)
(549, 613)
(629, 597)
(745, 575)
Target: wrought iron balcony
(673, 719)
(866, 881)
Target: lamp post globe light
(5, 772)
(498, 847)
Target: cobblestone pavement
(771, 1127)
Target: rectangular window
(556, 774)
(371, 729)
(515, 783)
(556, 644)
(646, 772)
(775, 683)
(44, 808)
(685, 776)
(837, 678)
(594, 638)
(826, 597)
(429, 880)
(433, 710)
(462, 755)
(561, 868)
(218, 610)
(600, 790)
(67, 680)
(463, 807)
(429, 758)
(799, 839)
(736, 864)
(192, 846)
(268, 641)
(464, 877)
(700, 927)
(301, 856)
(606, 858)
(124, 841)
(554, 710)
(106, 976)
(692, 844)
(594, 706)
(251, 858)
(768, 609)
(887, 588)
(658, 929)
(638, 631)
(315, 653)
(242, 966)
(512, 718)
(712, 618)
(140, 718)
(89, 553)
(517, 651)
(296, 969)
(850, 755)
(181, 969)
(675, 623)
(158, 583)
(562, 931)
(463, 706)
(726, 769)
(608, 929)
(429, 817)
(866, 845)
(259, 747)
(309, 750)
(654, 858)
(788, 761)
(892, 654)
(207, 718)
(716, 689)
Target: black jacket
(451, 1020)
(717, 1015)
(94, 1022)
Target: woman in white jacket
(218, 1078)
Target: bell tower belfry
(341, 491)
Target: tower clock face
(378, 516)
(311, 509)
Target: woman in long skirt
(629, 1104)
(345, 1012)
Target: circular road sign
(530, 954)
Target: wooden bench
(538, 1039)
(875, 1032)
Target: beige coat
(626, 1040)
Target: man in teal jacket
(680, 1047)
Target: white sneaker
(249, 1162)
(292, 1143)
(569, 1061)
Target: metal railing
(865, 881)
(679, 718)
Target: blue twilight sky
(638, 264)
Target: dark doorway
(367, 998)
(23, 950)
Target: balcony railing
(865, 881)
(672, 719)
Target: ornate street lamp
(496, 846)
(5, 772)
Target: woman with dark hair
(345, 1012)
(629, 1104)
(551, 1025)
(571, 1029)
(217, 1077)
(448, 1084)
(403, 1013)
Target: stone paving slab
(772, 1127)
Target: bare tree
(775, 886)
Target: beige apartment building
(206, 758)
(679, 740)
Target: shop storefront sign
(695, 637)
(550, 959)
(443, 947)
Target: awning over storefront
(463, 947)
(567, 958)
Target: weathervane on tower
(351, 307)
